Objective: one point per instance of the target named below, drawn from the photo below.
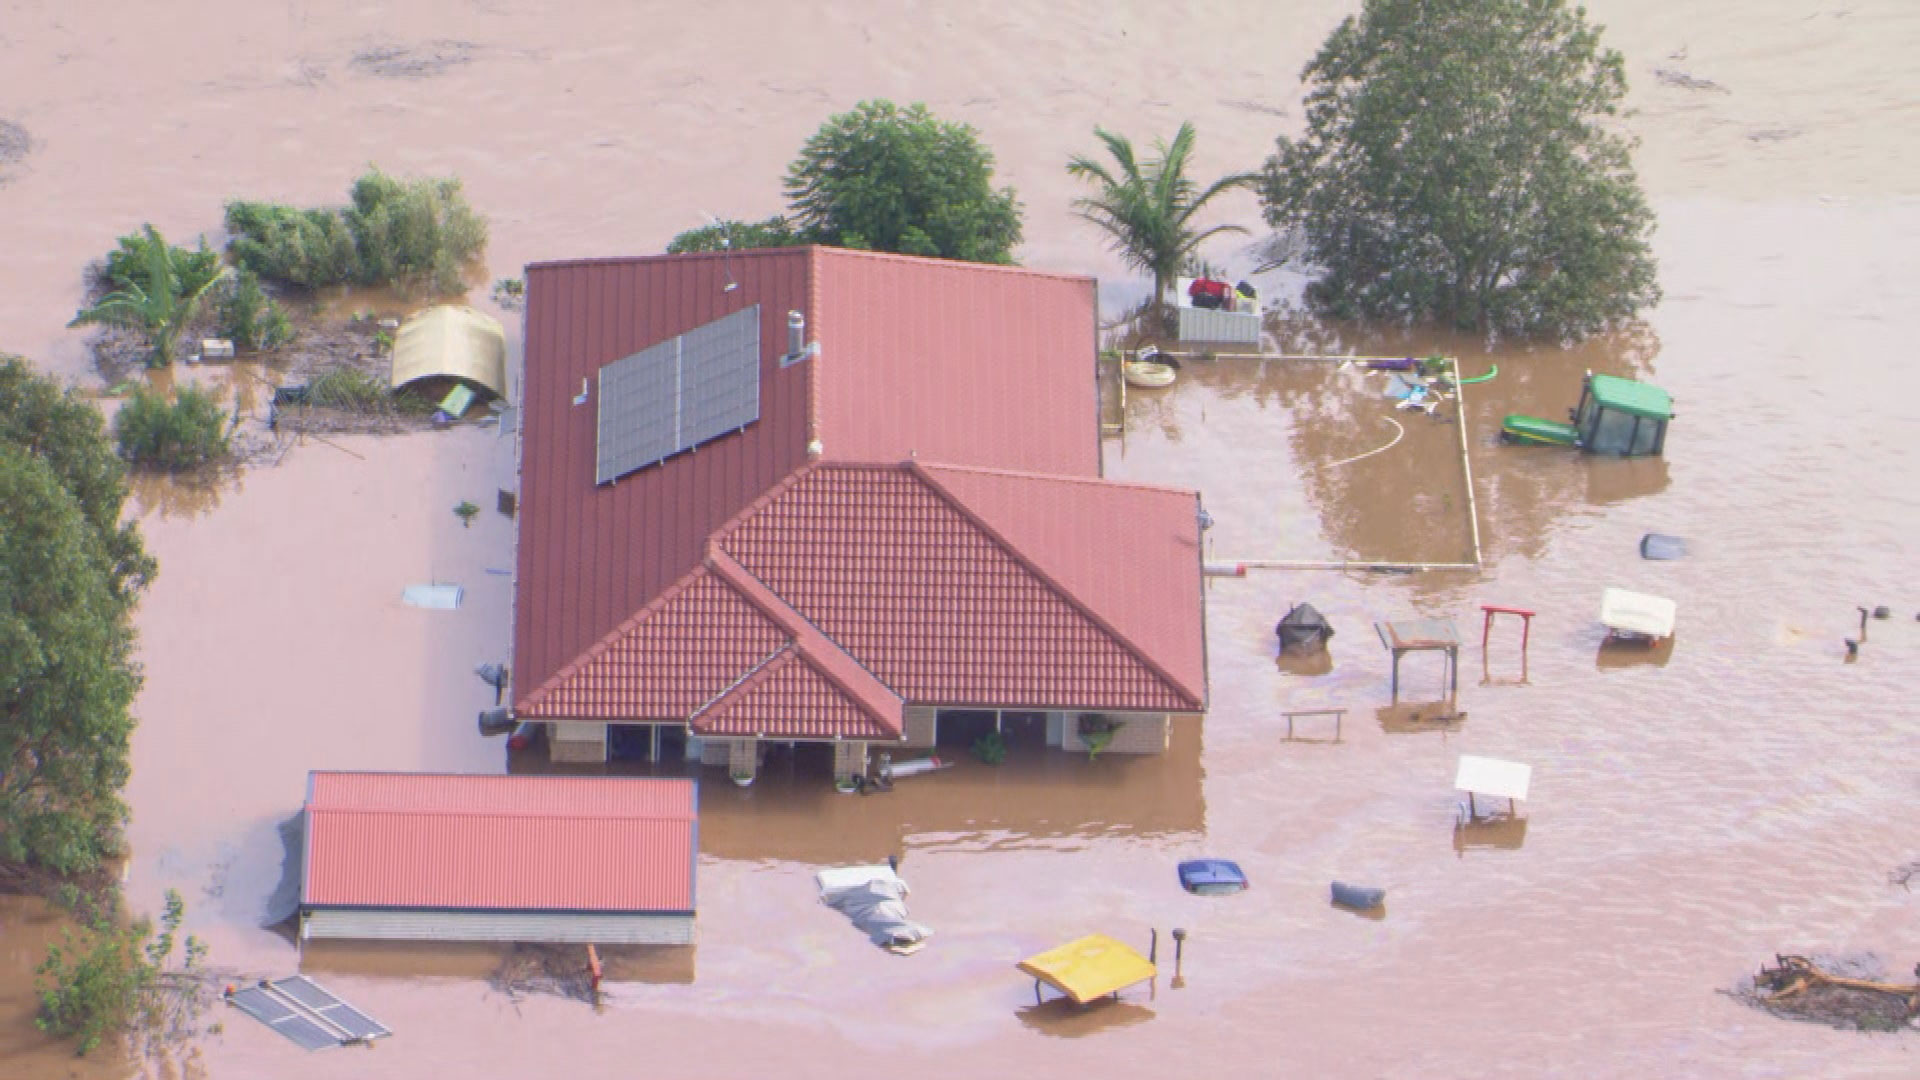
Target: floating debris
(1676, 77)
(1841, 993)
(415, 61)
(1662, 546)
(303, 1011)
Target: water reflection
(183, 495)
(1615, 654)
(1037, 797)
(1503, 832)
(1062, 1019)
(1418, 718)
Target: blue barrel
(1358, 896)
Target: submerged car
(1615, 416)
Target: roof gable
(942, 611)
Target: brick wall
(918, 726)
(849, 760)
(1141, 733)
(577, 743)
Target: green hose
(1491, 372)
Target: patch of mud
(422, 61)
(1850, 992)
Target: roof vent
(797, 347)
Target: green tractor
(1615, 416)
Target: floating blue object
(1358, 897)
(1212, 877)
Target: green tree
(892, 179)
(417, 232)
(189, 430)
(66, 675)
(70, 574)
(1459, 162)
(68, 435)
(161, 304)
(126, 264)
(115, 978)
(733, 235)
(1147, 208)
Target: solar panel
(301, 1010)
(678, 394)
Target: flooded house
(830, 503)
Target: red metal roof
(589, 555)
(621, 612)
(492, 843)
(956, 361)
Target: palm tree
(1147, 209)
(160, 308)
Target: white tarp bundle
(874, 898)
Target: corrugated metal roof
(529, 843)
(955, 361)
(591, 556)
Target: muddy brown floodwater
(1693, 811)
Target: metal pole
(1179, 950)
(1153, 945)
(1344, 564)
(1466, 465)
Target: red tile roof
(496, 843)
(790, 697)
(905, 579)
(875, 581)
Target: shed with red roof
(817, 496)
(415, 856)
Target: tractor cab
(1615, 416)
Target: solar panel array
(680, 393)
(301, 1010)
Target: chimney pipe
(796, 333)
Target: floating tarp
(433, 597)
(1089, 968)
(303, 1011)
(1638, 614)
(451, 341)
(1492, 776)
(875, 899)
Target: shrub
(394, 232)
(990, 748)
(249, 317)
(111, 979)
(349, 388)
(187, 431)
(309, 248)
(126, 265)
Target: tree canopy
(903, 180)
(69, 575)
(1458, 164)
(1147, 208)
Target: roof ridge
(804, 633)
(607, 640)
(768, 664)
(920, 472)
(685, 256)
(1094, 481)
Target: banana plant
(159, 308)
